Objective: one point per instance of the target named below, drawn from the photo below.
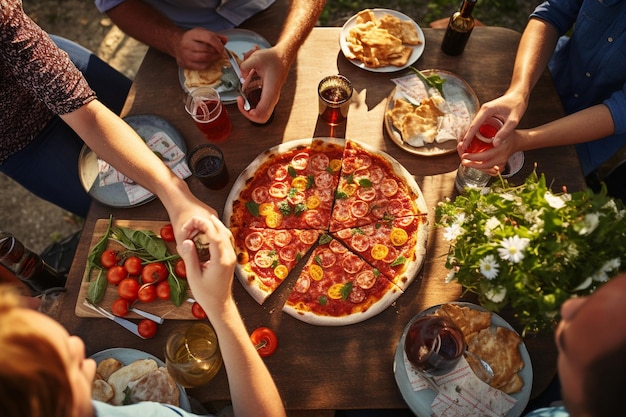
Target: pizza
(351, 217)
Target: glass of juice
(207, 163)
(209, 113)
(335, 92)
(483, 139)
(192, 355)
(434, 345)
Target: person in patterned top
(48, 109)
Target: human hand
(198, 48)
(210, 281)
(273, 71)
(492, 160)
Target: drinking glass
(206, 163)
(192, 355)
(209, 113)
(334, 94)
(434, 345)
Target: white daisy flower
(590, 223)
(491, 224)
(489, 267)
(513, 248)
(452, 232)
(496, 294)
(553, 200)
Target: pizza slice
(265, 257)
(336, 287)
(395, 247)
(373, 188)
(289, 187)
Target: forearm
(155, 30)
(533, 54)
(302, 17)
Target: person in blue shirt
(589, 72)
(44, 372)
(189, 31)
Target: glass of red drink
(335, 92)
(434, 345)
(211, 117)
(483, 139)
(206, 163)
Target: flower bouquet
(526, 248)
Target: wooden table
(327, 368)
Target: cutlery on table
(128, 325)
(150, 316)
(235, 66)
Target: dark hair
(604, 385)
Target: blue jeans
(48, 166)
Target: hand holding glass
(208, 112)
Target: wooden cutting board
(161, 308)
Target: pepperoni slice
(376, 175)
(326, 258)
(260, 195)
(337, 247)
(357, 295)
(365, 279)
(359, 208)
(352, 263)
(282, 238)
(363, 160)
(319, 161)
(341, 213)
(361, 174)
(254, 241)
(300, 161)
(392, 255)
(366, 194)
(314, 219)
(389, 187)
(324, 180)
(277, 172)
(296, 197)
(308, 237)
(379, 209)
(345, 234)
(264, 258)
(279, 190)
(394, 207)
(288, 253)
(324, 195)
(349, 165)
(302, 285)
(360, 242)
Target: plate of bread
(490, 338)
(127, 376)
(240, 41)
(381, 40)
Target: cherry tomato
(108, 259)
(179, 269)
(116, 273)
(198, 311)
(265, 341)
(128, 289)
(163, 290)
(147, 293)
(154, 272)
(133, 265)
(167, 233)
(147, 328)
(120, 307)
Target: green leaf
(284, 208)
(292, 171)
(434, 80)
(399, 261)
(93, 259)
(324, 239)
(150, 242)
(253, 208)
(178, 289)
(365, 183)
(322, 300)
(346, 289)
(97, 289)
(299, 209)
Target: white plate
(454, 89)
(127, 356)
(240, 41)
(419, 401)
(417, 49)
(114, 195)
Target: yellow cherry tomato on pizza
(335, 164)
(281, 272)
(379, 251)
(349, 189)
(336, 291)
(266, 208)
(398, 236)
(273, 220)
(264, 340)
(313, 202)
(299, 183)
(316, 272)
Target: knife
(153, 317)
(128, 325)
(235, 65)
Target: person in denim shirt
(588, 68)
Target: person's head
(591, 339)
(43, 370)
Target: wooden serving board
(161, 308)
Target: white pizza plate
(240, 41)
(378, 13)
(419, 401)
(455, 89)
(114, 195)
(127, 356)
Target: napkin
(461, 393)
(161, 144)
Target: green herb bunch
(529, 249)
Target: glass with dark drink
(209, 114)
(206, 163)
(434, 345)
(334, 92)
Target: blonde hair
(33, 378)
